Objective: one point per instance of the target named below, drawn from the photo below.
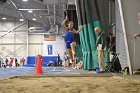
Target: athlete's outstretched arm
(77, 31)
(64, 23)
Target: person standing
(22, 61)
(112, 46)
(11, 62)
(16, 62)
(58, 60)
(65, 62)
(0, 62)
(6, 62)
(101, 46)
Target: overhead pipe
(17, 8)
(37, 9)
(49, 14)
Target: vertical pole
(134, 54)
(14, 45)
(54, 14)
(14, 39)
(97, 10)
(27, 43)
(48, 9)
(41, 45)
(110, 13)
(49, 14)
(35, 58)
(125, 37)
(1, 53)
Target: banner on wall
(49, 37)
(50, 49)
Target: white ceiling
(44, 9)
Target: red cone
(39, 65)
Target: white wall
(15, 42)
(35, 44)
(131, 8)
(58, 46)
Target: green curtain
(79, 53)
(88, 14)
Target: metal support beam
(5, 26)
(49, 14)
(14, 51)
(54, 14)
(13, 43)
(27, 42)
(27, 45)
(17, 9)
(14, 40)
(38, 9)
(39, 33)
(21, 43)
(20, 38)
(13, 29)
(48, 10)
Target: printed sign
(50, 49)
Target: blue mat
(31, 60)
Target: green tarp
(88, 15)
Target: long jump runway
(48, 71)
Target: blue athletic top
(69, 35)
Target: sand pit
(69, 85)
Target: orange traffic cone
(39, 65)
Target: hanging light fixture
(30, 11)
(21, 19)
(25, 0)
(4, 18)
(34, 19)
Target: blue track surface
(48, 71)
(26, 71)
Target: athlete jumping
(69, 37)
